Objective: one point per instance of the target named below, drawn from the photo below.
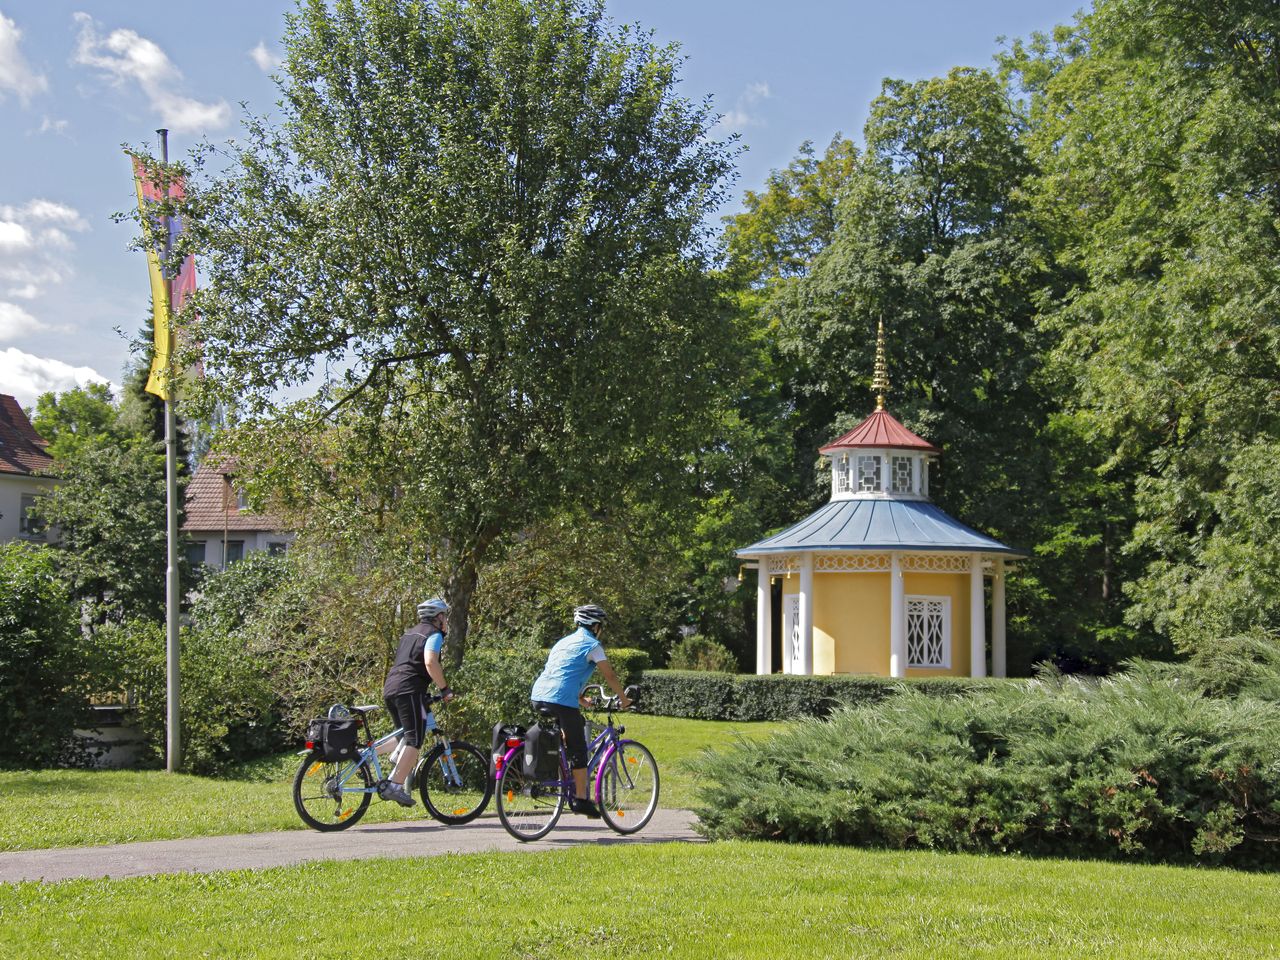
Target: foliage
(78, 418)
(1153, 128)
(1136, 766)
(697, 652)
(230, 597)
(493, 684)
(110, 511)
(229, 708)
(746, 697)
(42, 691)
(501, 208)
(627, 662)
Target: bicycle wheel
(528, 809)
(456, 794)
(627, 787)
(324, 793)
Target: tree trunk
(459, 587)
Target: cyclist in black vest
(417, 665)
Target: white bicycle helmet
(589, 616)
(429, 609)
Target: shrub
(725, 696)
(1137, 766)
(702, 653)
(41, 673)
(628, 663)
(230, 712)
(492, 683)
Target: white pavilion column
(897, 619)
(764, 617)
(977, 619)
(998, 667)
(805, 666)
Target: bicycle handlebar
(612, 702)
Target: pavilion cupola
(880, 458)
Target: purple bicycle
(622, 779)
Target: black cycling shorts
(574, 727)
(409, 710)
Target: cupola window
(842, 474)
(902, 475)
(868, 474)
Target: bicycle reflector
(311, 745)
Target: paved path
(280, 848)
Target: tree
(491, 215)
(79, 418)
(1155, 127)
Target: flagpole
(173, 753)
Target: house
(24, 468)
(218, 527)
(880, 580)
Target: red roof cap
(880, 430)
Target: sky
(78, 80)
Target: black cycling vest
(409, 672)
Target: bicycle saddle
(365, 708)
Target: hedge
(700, 695)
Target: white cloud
(49, 125)
(124, 56)
(36, 245)
(16, 322)
(264, 58)
(26, 376)
(743, 114)
(16, 74)
(13, 236)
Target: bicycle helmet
(429, 609)
(589, 616)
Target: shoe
(399, 794)
(584, 807)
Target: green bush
(1139, 766)
(230, 713)
(702, 653)
(492, 683)
(628, 663)
(41, 672)
(727, 696)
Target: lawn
(73, 807)
(729, 899)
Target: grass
(731, 899)
(76, 807)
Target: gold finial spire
(880, 382)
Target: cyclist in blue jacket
(559, 690)
(416, 666)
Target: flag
(164, 232)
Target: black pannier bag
(502, 732)
(542, 752)
(335, 740)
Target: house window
(195, 553)
(277, 548)
(235, 551)
(868, 474)
(30, 525)
(842, 473)
(901, 474)
(929, 632)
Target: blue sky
(78, 79)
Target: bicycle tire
(455, 803)
(315, 790)
(627, 787)
(527, 809)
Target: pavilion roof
(881, 429)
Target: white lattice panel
(902, 475)
(851, 563)
(929, 632)
(935, 563)
(868, 474)
(783, 564)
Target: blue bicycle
(332, 792)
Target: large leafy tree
(489, 215)
(1156, 126)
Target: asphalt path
(251, 851)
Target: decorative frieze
(935, 563)
(851, 563)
